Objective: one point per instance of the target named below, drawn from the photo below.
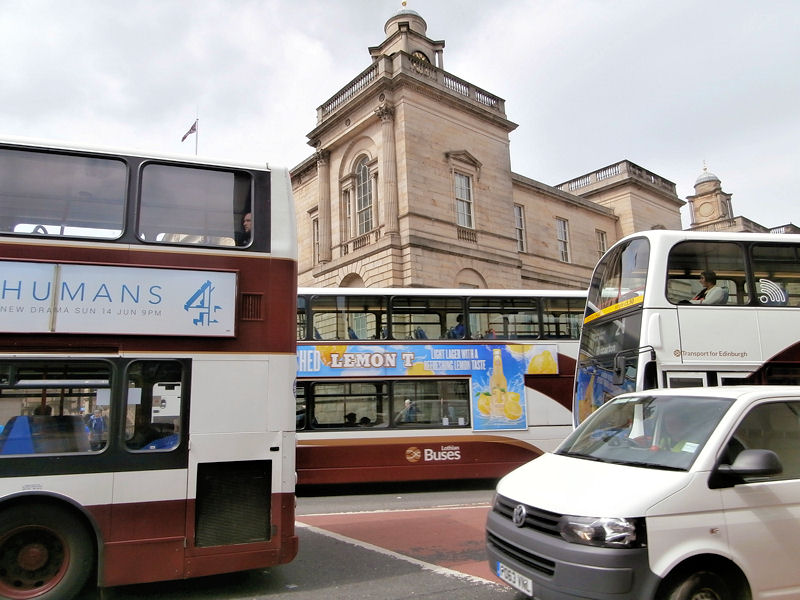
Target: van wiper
(646, 465)
(578, 455)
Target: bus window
(345, 317)
(722, 260)
(61, 194)
(562, 318)
(621, 275)
(356, 404)
(505, 318)
(302, 319)
(425, 317)
(423, 403)
(153, 405)
(193, 206)
(54, 408)
(776, 270)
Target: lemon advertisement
(497, 372)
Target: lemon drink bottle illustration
(497, 385)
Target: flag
(192, 129)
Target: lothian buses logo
(201, 302)
(443, 454)
(413, 454)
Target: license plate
(514, 579)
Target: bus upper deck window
(48, 193)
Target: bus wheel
(44, 553)
(702, 585)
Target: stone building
(410, 185)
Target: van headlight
(606, 532)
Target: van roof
(751, 392)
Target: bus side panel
(409, 458)
(712, 336)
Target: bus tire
(45, 553)
(700, 585)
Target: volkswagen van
(673, 494)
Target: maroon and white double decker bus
(147, 363)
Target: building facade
(410, 185)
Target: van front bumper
(561, 570)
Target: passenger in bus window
(409, 412)
(243, 237)
(711, 292)
(97, 430)
(457, 332)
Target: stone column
(389, 169)
(324, 181)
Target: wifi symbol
(771, 292)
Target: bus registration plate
(514, 579)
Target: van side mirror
(749, 463)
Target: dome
(415, 20)
(706, 176)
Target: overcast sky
(668, 85)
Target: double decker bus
(147, 363)
(683, 308)
(421, 384)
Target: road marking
(420, 563)
(398, 510)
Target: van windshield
(666, 432)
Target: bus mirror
(619, 369)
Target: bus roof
(674, 235)
(33, 143)
(478, 292)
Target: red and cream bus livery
(146, 368)
(420, 384)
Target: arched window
(363, 197)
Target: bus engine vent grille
(233, 503)
(251, 307)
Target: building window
(315, 240)
(463, 189)
(519, 227)
(363, 197)
(562, 235)
(602, 242)
(348, 214)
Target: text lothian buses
(146, 369)
(678, 309)
(416, 384)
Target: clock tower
(709, 203)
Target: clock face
(420, 56)
(706, 209)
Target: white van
(674, 494)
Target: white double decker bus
(679, 309)
(147, 363)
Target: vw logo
(520, 514)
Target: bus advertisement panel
(496, 373)
(64, 298)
